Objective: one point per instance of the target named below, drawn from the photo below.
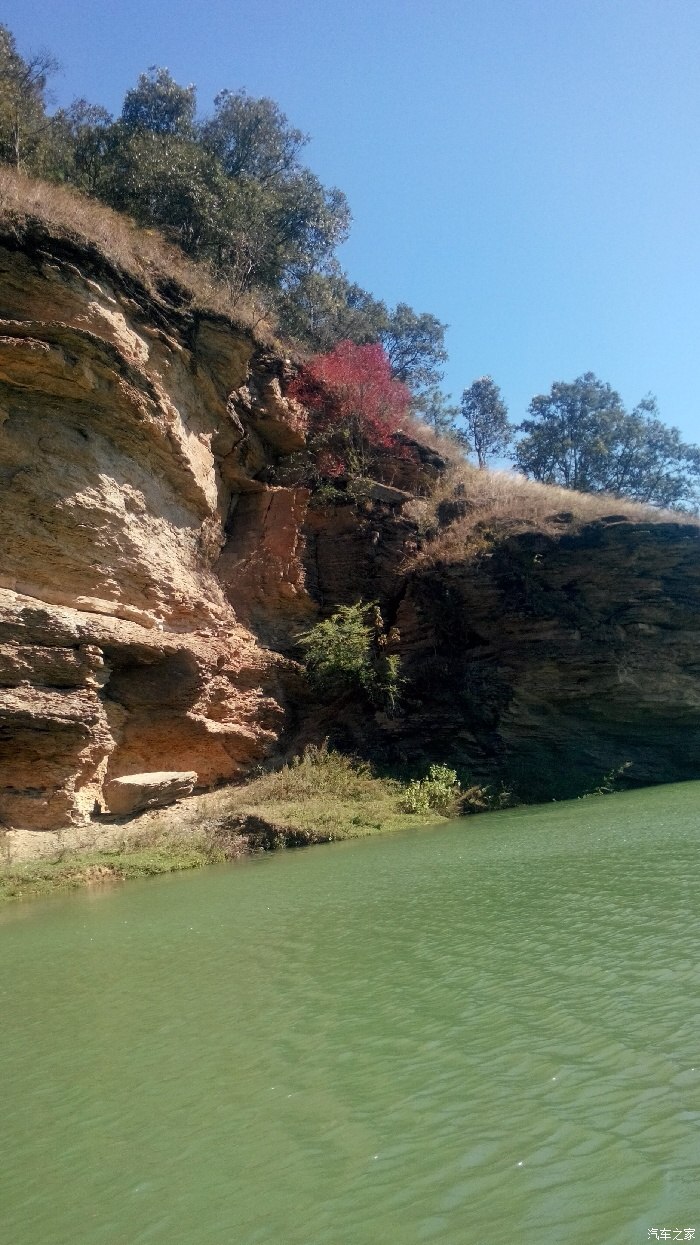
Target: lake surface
(486, 1032)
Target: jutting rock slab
(136, 792)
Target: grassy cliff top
(37, 215)
(471, 509)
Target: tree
(488, 432)
(80, 142)
(323, 308)
(167, 181)
(579, 435)
(160, 105)
(309, 221)
(435, 409)
(252, 138)
(415, 347)
(356, 407)
(24, 124)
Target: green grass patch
(320, 797)
(33, 878)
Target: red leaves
(355, 404)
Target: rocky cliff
(554, 661)
(153, 574)
(133, 515)
(545, 660)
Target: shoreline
(209, 828)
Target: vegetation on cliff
(230, 190)
(347, 653)
(356, 407)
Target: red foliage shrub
(355, 405)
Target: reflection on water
(485, 1032)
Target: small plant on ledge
(346, 654)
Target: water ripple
(483, 1033)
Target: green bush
(346, 654)
(440, 793)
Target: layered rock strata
(131, 435)
(559, 663)
(153, 577)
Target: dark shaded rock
(451, 509)
(556, 660)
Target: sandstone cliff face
(152, 578)
(131, 436)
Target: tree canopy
(415, 346)
(230, 189)
(252, 138)
(579, 435)
(158, 104)
(488, 432)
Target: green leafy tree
(435, 409)
(346, 654)
(308, 222)
(488, 432)
(252, 138)
(80, 143)
(283, 223)
(323, 308)
(415, 346)
(24, 123)
(579, 435)
(159, 105)
(277, 236)
(166, 181)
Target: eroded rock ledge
(131, 435)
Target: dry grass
(326, 797)
(448, 449)
(29, 205)
(499, 503)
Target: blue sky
(527, 170)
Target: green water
(485, 1033)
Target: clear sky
(527, 170)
